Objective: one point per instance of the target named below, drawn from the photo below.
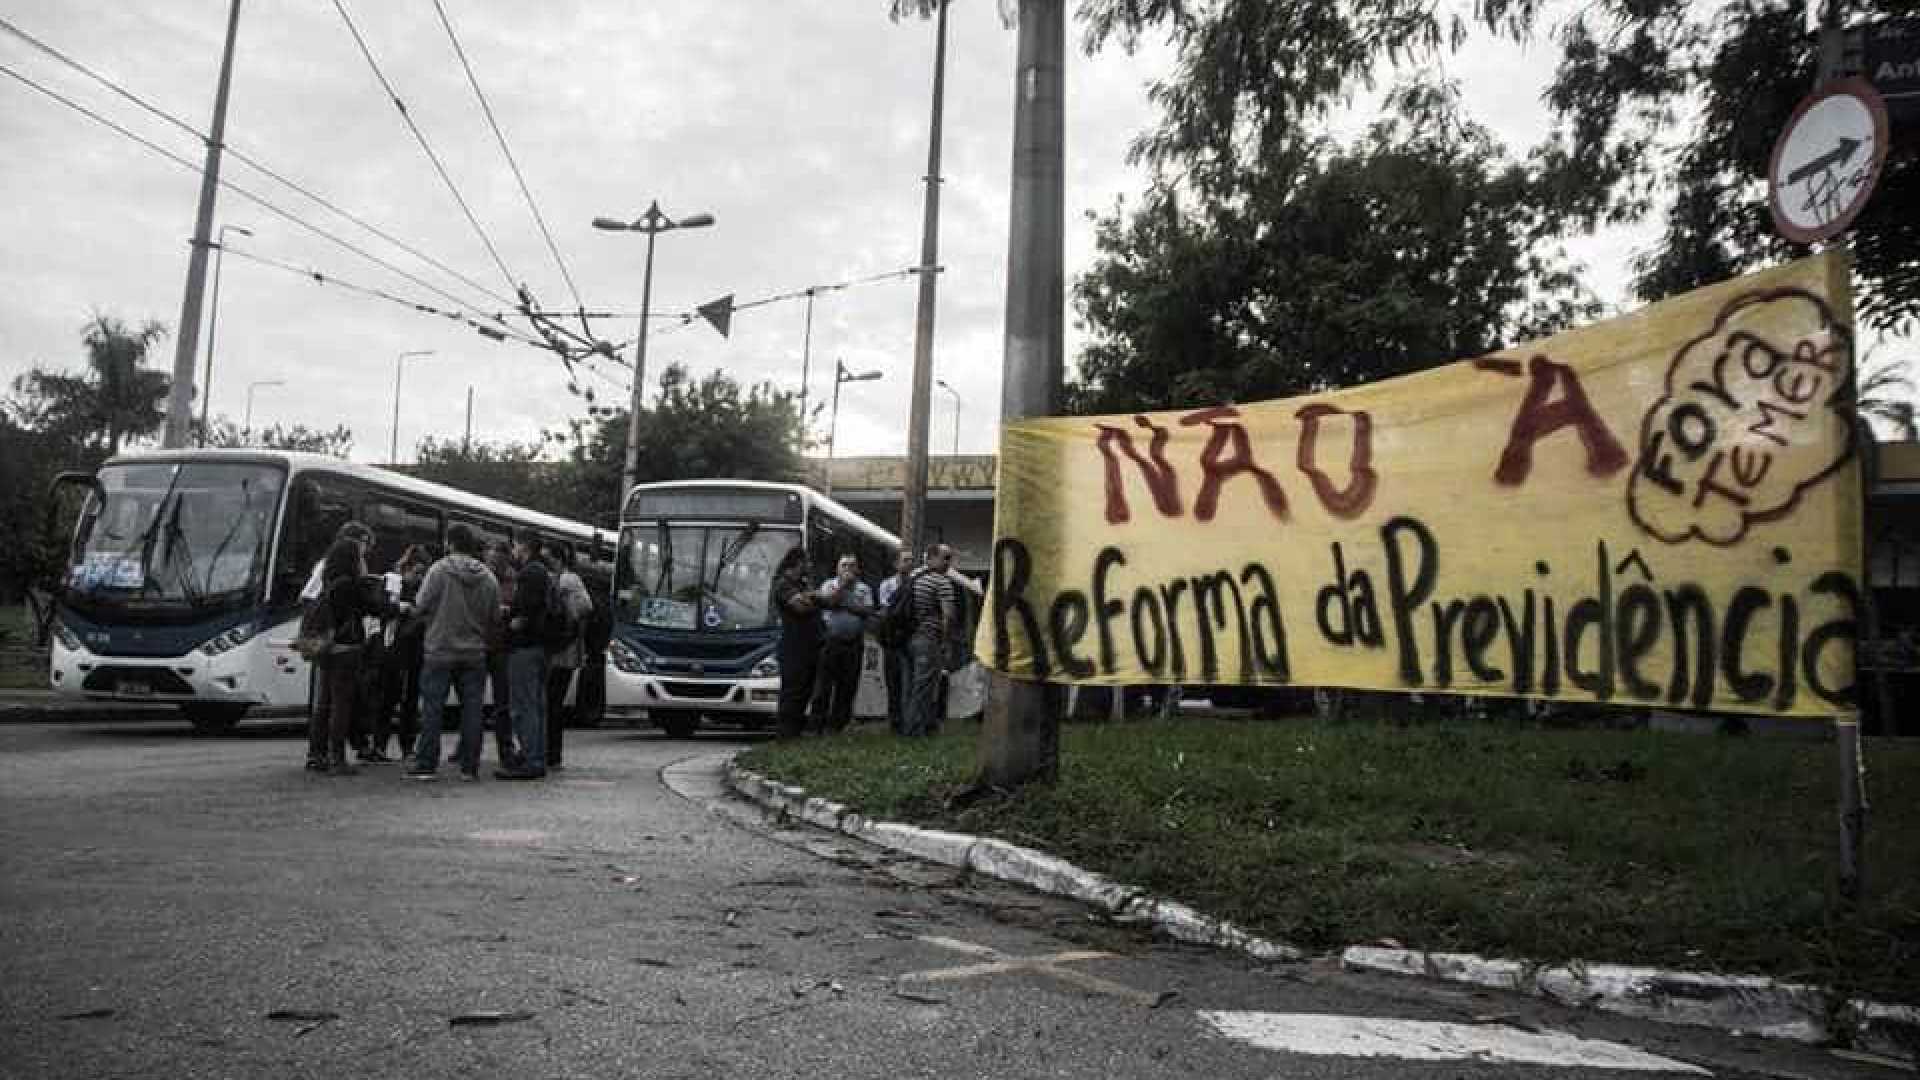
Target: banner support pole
(1853, 809)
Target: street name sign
(1827, 160)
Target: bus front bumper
(635, 695)
(195, 678)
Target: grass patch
(1686, 851)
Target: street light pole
(399, 364)
(213, 323)
(246, 425)
(653, 223)
(840, 375)
(187, 342)
(942, 384)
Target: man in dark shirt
(934, 609)
(800, 634)
(527, 661)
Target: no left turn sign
(1826, 162)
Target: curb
(1009, 862)
(1737, 1004)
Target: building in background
(959, 499)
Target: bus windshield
(187, 539)
(713, 578)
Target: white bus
(695, 631)
(187, 565)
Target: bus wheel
(679, 725)
(213, 719)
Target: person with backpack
(350, 597)
(935, 611)
(499, 718)
(527, 660)
(893, 649)
(845, 605)
(567, 612)
(319, 699)
(458, 605)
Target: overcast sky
(801, 125)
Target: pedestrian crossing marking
(995, 962)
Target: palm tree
(113, 400)
(1885, 393)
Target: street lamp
(840, 376)
(213, 323)
(653, 223)
(942, 384)
(399, 365)
(246, 426)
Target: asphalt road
(163, 897)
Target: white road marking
(1323, 1035)
(999, 963)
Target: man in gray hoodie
(459, 600)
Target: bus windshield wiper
(731, 552)
(152, 532)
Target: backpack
(894, 626)
(558, 627)
(317, 631)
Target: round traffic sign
(1826, 162)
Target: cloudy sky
(801, 125)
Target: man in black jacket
(527, 660)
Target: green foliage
(506, 470)
(115, 398)
(223, 432)
(1631, 68)
(709, 427)
(1324, 266)
(1688, 851)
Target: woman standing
(353, 597)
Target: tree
(1321, 266)
(223, 432)
(709, 427)
(1630, 68)
(114, 399)
(505, 470)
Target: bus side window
(315, 511)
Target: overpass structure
(959, 498)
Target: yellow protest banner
(1661, 509)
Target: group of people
(823, 632)
(514, 618)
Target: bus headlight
(69, 640)
(626, 658)
(232, 639)
(767, 669)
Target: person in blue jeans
(527, 660)
(458, 602)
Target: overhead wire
(258, 200)
(421, 137)
(322, 278)
(250, 161)
(500, 136)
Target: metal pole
(213, 329)
(629, 474)
(913, 505)
(393, 448)
(1020, 735)
(833, 425)
(466, 438)
(187, 342)
(806, 354)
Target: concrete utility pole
(913, 504)
(187, 341)
(1020, 738)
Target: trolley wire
(258, 200)
(421, 137)
(318, 277)
(501, 137)
(248, 160)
